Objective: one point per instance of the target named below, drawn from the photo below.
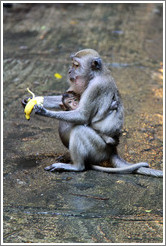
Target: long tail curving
(149, 172)
(125, 169)
(118, 162)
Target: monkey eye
(75, 64)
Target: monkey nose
(72, 79)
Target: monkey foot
(50, 168)
(62, 167)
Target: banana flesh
(30, 105)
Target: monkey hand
(30, 103)
(25, 101)
(40, 110)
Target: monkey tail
(118, 162)
(125, 169)
(149, 172)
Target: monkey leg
(85, 144)
(62, 166)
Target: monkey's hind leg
(62, 167)
(77, 148)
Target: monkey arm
(81, 116)
(76, 116)
(52, 101)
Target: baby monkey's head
(70, 100)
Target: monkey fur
(90, 78)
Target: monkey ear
(96, 63)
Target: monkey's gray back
(103, 118)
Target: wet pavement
(91, 206)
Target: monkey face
(72, 74)
(71, 103)
(77, 78)
(85, 64)
(75, 70)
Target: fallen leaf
(73, 22)
(57, 76)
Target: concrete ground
(91, 206)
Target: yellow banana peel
(30, 105)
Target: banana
(30, 105)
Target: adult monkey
(70, 101)
(90, 78)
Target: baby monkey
(70, 101)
